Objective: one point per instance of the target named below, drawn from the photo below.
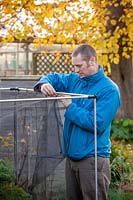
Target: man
(78, 134)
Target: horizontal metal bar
(71, 94)
(58, 93)
(17, 88)
(46, 98)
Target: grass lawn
(120, 195)
(113, 195)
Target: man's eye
(78, 66)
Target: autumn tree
(120, 27)
(105, 24)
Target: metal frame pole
(15, 144)
(45, 98)
(95, 149)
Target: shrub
(120, 170)
(122, 129)
(8, 189)
(120, 195)
(6, 171)
(121, 156)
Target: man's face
(83, 68)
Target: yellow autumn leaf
(116, 5)
(125, 49)
(106, 73)
(116, 59)
(57, 57)
(67, 58)
(125, 55)
(113, 22)
(35, 46)
(105, 58)
(109, 44)
(129, 15)
(109, 69)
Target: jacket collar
(95, 77)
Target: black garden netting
(31, 133)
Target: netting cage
(32, 132)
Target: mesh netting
(32, 134)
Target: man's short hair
(86, 52)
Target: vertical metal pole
(95, 149)
(15, 143)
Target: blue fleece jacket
(78, 134)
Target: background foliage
(122, 153)
(71, 22)
(8, 189)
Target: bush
(122, 129)
(6, 171)
(14, 193)
(8, 189)
(120, 195)
(120, 170)
(121, 156)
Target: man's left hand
(66, 102)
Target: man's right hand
(47, 89)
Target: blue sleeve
(106, 108)
(58, 81)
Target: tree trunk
(122, 74)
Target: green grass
(113, 195)
(120, 195)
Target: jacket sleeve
(58, 81)
(106, 107)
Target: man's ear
(92, 59)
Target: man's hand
(66, 102)
(47, 89)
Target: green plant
(121, 156)
(6, 171)
(119, 195)
(120, 170)
(122, 129)
(8, 189)
(14, 193)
